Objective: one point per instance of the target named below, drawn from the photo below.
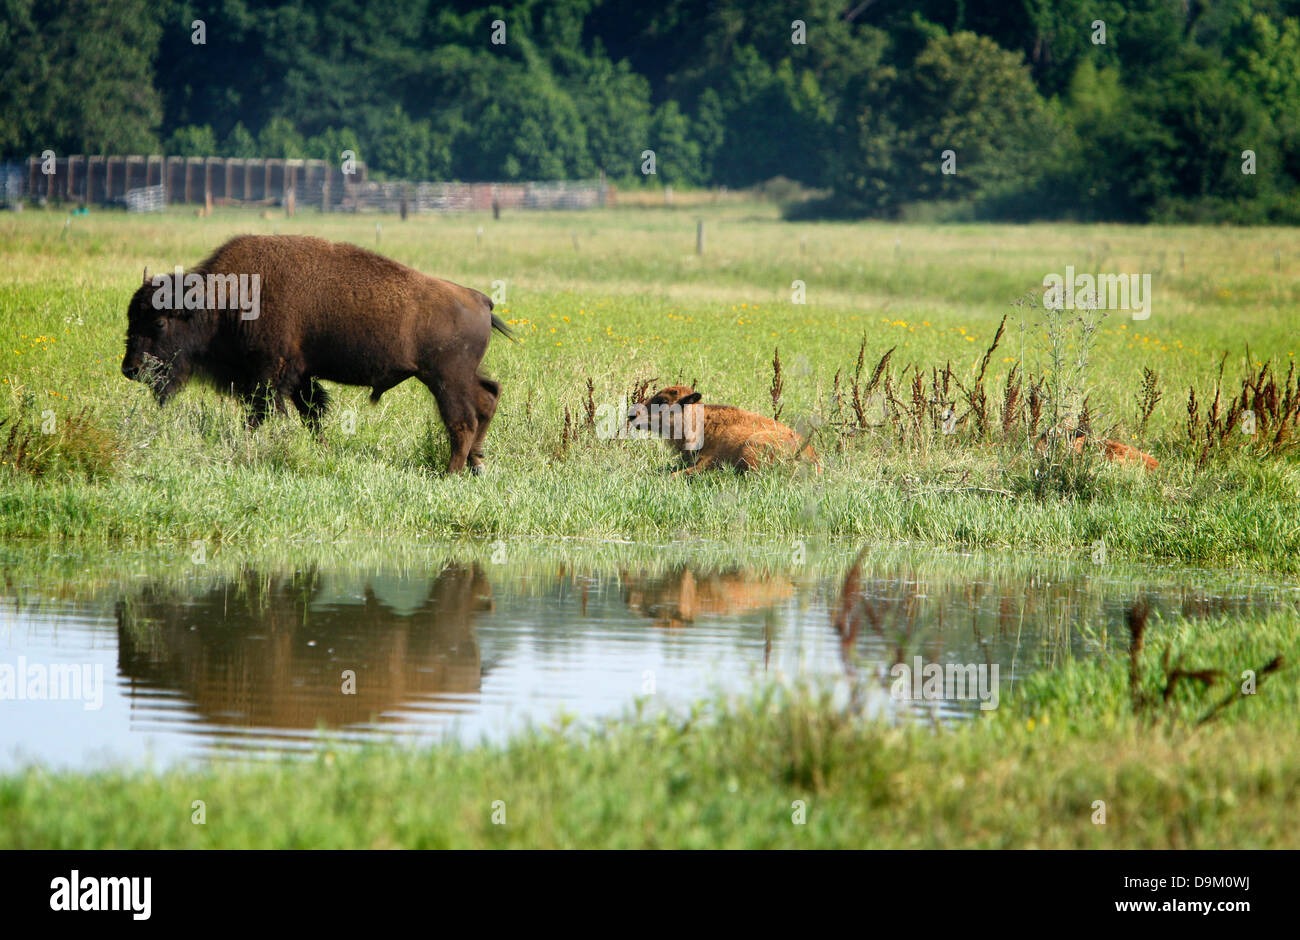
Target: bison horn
(146, 274)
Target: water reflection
(452, 644)
(278, 652)
(677, 598)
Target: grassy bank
(619, 298)
(729, 774)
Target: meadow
(607, 304)
(620, 299)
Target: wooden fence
(220, 180)
(462, 197)
(295, 183)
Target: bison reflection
(678, 598)
(262, 651)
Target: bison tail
(500, 326)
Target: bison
(1119, 452)
(1112, 450)
(318, 310)
(715, 435)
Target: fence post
(92, 163)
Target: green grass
(728, 774)
(632, 302)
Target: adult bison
(266, 316)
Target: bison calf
(715, 435)
(1112, 450)
(1119, 452)
(319, 310)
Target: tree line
(1140, 110)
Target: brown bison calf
(714, 435)
(1112, 450)
(318, 310)
(1119, 452)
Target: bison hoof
(476, 469)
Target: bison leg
(456, 406)
(312, 401)
(705, 462)
(259, 405)
(489, 393)
(377, 390)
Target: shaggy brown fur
(715, 435)
(328, 311)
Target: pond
(150, 659)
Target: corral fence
(461, 197)
(237, 181)
(197, 180)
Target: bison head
(159, 343)
(662, 413)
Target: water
(213, 661)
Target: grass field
(620, 297)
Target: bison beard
(327, 311)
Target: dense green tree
(280, 139)
(965, 121)
(400, 146)
(677, 155)
(240, 142)
(77, 77)
(191, 141)
(614, 106)
(330, 145)
(967, 96)
(861, 98)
